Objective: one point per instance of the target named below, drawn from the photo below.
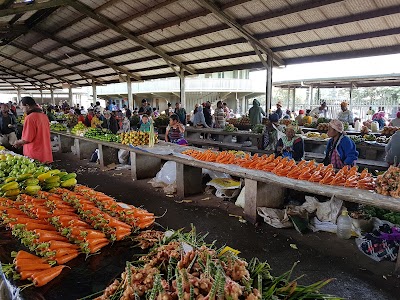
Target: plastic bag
(277, 218)
(123, 156)
(95, 156)
(326, 211)
(167, 174)
(240, 201)
(224, 183)
(215, 174)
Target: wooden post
(187, 180)
(130, 96)
(268, 87)
(144, 166)
(182, 88)
(259, 194)
(65, 144)
(94, 92)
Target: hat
(274, 117)
(343, 104)
(337, 125)
(301, 112)
(279, 103)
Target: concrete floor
(320, 255)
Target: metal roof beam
(30, 7)
(34, 68)
(225, 18)
(87, 53)
(54, 61)
(105, 21)
(24, 77)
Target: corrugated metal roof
(102, 39)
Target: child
(145, 126)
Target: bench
(263, 188)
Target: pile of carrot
(304, 170)
(32, 267)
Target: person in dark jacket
(8, 125)
(290, 145)
(207, 113)
(256, 113)
(110, 122)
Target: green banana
(31, 181)
(9, 179)
(13, 192)
(52, 179)
(24, 177)
(68, 176)
(10, 186)
(32, 189)
(69, 183)
(49, 186)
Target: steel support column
(294, 99)
(70, 95)
(268, 86)
(52, 97)
(310, 96)
(94, 93)
(18, 95)
(41, 96)
(182, 88)
(130, 96)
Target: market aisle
(321, 255)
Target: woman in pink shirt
(36, 133)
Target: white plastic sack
(167, 174)
(330, 210)
(123, 156)
(317, 225)
(215, 174)
(277, 218)
(240, 201)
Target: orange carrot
(65, 251)
(33, 226)
(26, 274)
(59, 244)
(26, 266)
(66, 258)
(26, 255)
(42, 278)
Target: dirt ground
(319, 255)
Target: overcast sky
(376, 65)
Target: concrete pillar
(144, 166)
(182, 89)
(41, 96)
(294, 99)
(18, 96)
(243, 106)
(108, 155)
(94, 92)
(288, 97)
(85, 149)
(130, 96)
(310, 96)
(187, 180)
(70, 95)
(258, 194)
(268, 87)
(350, 95)
(52, 97)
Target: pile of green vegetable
(383, 214)
(102, 135)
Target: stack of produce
(389, 130)
(369, 137)
(309, 171)
(258, 128)
(79, 129)
(162, 120)
(285, 122)
(136, 138)
(364, 130)
(388, 184)
(367, 124)
(16, 165)
(357, 139)
(230, 128)
(323, 126)
(102, 135)
(316, 135)
(58, 127)
(323, 120)
(307, 120)
(239, 121)
(202, 272)
(382, 139)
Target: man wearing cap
(345, 116)
(340, 150)
(299, 118)
(36, 133)
(279, 109)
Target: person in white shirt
(319, 112)
(345, 116)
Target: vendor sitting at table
(145, 124)
(341, 150)
(175, 131)
(290, 145)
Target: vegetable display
(136, 138)
(182, 266)
(309, 171)
(58, 127)
(102, 135)
(388, 184)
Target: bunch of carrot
(34, 268)
(90, 213)
(308, 171)
(135, 217)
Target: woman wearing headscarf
(290, 145)
(36, 132)
(380, 118)
(198, 118)
(256, 113)
(340, 150)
